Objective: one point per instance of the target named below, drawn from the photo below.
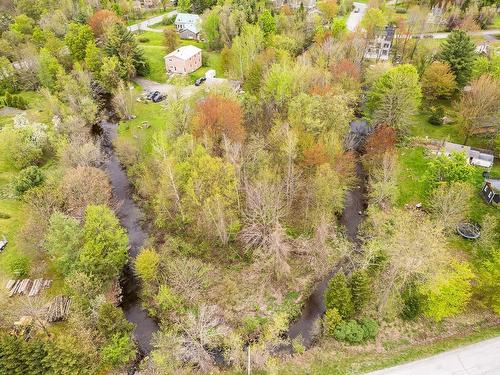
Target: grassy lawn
(152, 43)
(412, 165)
(150, 112)
(154, 55)
(13, 212)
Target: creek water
(314, 306)
(129, 215)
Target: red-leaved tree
(217, 118)
(101, 19)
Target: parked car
(199, 81)
(157, 97)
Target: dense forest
(304, 211)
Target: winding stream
(314, 306)
(129, 215)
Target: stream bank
(129, 215)
(314, 306)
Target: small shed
(489, 194)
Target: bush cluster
(356, 332)
(15, 101)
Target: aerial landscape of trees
(306, 171)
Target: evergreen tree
(338, 295)
(121, 43)
(459, 52)
(360, 289)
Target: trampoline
(468, 230)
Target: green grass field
(13, 212)
(154, 51)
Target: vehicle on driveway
(199, 81)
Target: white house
(183, 20)
(183, 60)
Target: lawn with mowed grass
(154, 51)
(149, 112)
(13, 212)
(412, 189)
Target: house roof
(194, 28)
(183, 18)
(184, 53)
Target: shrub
(146, 264)
(168, 21)
(15, 101)
(17, 264)
(28, 178)
(143, 39)
(331, 320)
(167, 300)
(349, 331)
(370, 328)
(119, 351)
(437, 114)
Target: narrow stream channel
(129, 215)
(314, 306)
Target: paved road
(482, 358)
(355, 18)
(144, 25)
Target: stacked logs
(58, 309)
(27, 286)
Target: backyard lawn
(13, 212)
(154, 51)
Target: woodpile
(27, 286)
(58, 309)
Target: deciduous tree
(77, 38)
(82, 186)
(478, 109)
(104, 252)
(171, 39)
(438, 81)
(63, 242)
(218, 117)
(101, 20)
(395, 97)
(448, 293)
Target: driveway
(184, 91)
(144, 25)
(355, 18)
(482, 358)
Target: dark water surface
(314, 306)
(129, 215)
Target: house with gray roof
(188, 25)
